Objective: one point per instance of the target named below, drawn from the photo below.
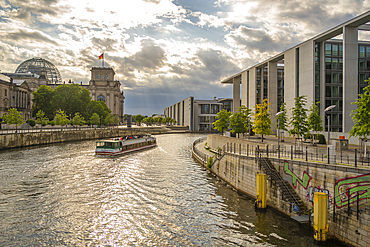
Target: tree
(314, 120)
(115, 119)
(239, 121)
(42, 100)
(108, 120)
(98, 107)
(71, 98)
(13, 117)
(298, 120)
(139, 118)
(262, 119)
(236, 123)
(222, 121)
(41, 118)
(95, 119)
(283, 119)
(78, 119)
(361, 115)
(247, 116)
(61, 118)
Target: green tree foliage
(108, 120)
(314, 119)
(115, 119)
(262, 119)
(61, 118)
(95, 119)
(13, 117)
(139, 118)
(98, 107)
(283, 119)
(148, 120)
(41, 118)
(31, 122)
(43, 101)
(361, 116)
(236, 123)
(78, 119)
(247, 118)
(298, 120)
(222, 121)
(71, 98)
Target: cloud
(27, 36)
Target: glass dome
(35, 65)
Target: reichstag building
(16, 88)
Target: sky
(162, 51)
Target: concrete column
(252, 88)
(245, 89)
(272, 92)
(236, 93)
(350, 74)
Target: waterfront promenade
(296, 174)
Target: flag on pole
(101, 56)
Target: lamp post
(277, 114)
(328, 116)
(249, 127)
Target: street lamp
(328, 116)
(277, 114)
(249, 127)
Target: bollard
(320, 217)
(261, 191)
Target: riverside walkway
(291, 150)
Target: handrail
(281, 180)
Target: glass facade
(265, 83)
(36, 65)
(206, 119)
(280, 81)
(205, 109)
(334, 85)
(258, 86)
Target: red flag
(101, 56)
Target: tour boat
(124, 145)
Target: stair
(289, 194)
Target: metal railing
(309, 154)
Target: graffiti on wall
(295, 179)
(346, 189)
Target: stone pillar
(350, 74)
(272, 92)
(236, 93)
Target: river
(62, 195)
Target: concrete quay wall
(16, 140)
(305, 178)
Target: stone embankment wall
(305, 178)
(16, 140)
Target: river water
(62, 195)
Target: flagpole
(103, 59)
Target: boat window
(100, 144)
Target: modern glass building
(326, 69)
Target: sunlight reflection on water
(64, 195)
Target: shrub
(31, 122)
(321, 138)
(308, 136)
(52, 123)
(209, 163)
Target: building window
(106, 77)
(97, 76)
(101, 76)
(204, 109)
(214, 109)
(101, 98)
(5, 93)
